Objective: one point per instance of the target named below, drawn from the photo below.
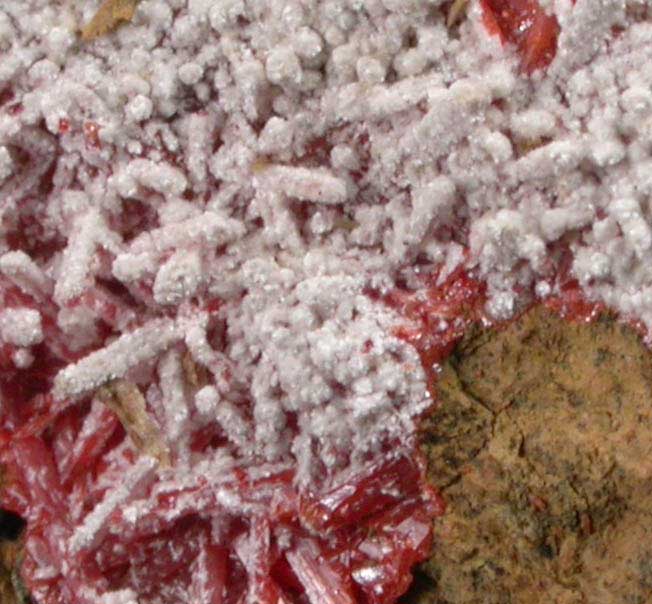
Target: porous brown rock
(542, 445)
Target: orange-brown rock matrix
(542, 446)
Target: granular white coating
(324, 147)
(287, 155)
(21, 326)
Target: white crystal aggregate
(116, 359)
(122, 596)
(21, 326)
(289, 155)
(20, 270)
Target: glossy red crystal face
(524, 24)
(354, 543)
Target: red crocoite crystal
(372, 530)
(524, 24)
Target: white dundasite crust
(21, 326)
(115, 360)
(232, 177)
(305, 184)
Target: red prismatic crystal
(94, 534)
(322, 582)
(524, 24)
(209, 573)
(380, 485)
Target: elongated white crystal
(310, 184)
(94, 525)
(116, 359)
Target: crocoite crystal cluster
(231, 232)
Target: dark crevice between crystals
(12, 590)
(421, 584)
(11, 525)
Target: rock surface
(543, 446)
